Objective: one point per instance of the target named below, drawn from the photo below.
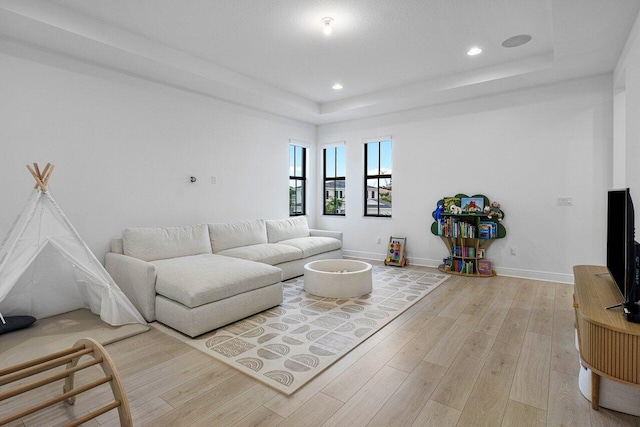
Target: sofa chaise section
(196, 294)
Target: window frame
(335, 178)
(377, 176)
(298, 178)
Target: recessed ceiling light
(516, 41)
(337, 86)
(327, 25)
(474, 51)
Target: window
(377, 166)
(334, 180)
(297, 180)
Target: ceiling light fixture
(337, 86)
(474, 51)
(328, 25)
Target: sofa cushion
(236, 234)
(269, 253)
(117, 246)
(284, 229)
(314, 245)
(150, 244)
(201, 279)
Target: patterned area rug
(288, 345)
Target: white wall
(632, 122)
(522, 149)
(626, 113)
(619, 138)
(124, 150)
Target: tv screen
(621, 241)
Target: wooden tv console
(609, 345)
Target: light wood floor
(492, 352)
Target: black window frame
(335, 179)
(298, 178)
(377, 176)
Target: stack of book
(452, 227)
(464, 251)
(488, 230)
(462, 266)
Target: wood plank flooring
(475, 352)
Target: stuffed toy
(454, 209)
(493, 210)
(438, 212)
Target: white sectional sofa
(201, 277)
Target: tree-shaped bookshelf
(468, 225)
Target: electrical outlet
(565, 201)
(514, 251)
(379, 240)
(214, 180)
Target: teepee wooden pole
(37, 178)
(41, 177)
(48, 170)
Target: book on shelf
(472, 205)
(450, 201)
(487, 230)
(454, 227)
(464, 251)
(460, 266)
(485, 267)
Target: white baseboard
(544, 276)
(363, 255)
(502, 271)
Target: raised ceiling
(272, 54)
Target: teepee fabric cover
(47, 269)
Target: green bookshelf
(468, 225)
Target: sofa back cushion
(236, 234)
(285, 229)
(117, 246)
(150, 244)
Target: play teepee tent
(47, 269)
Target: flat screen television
(623, 254)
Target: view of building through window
(378, 188)
(297, 180)
(334, 180)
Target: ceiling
(389, 55)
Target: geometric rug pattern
(288, 345)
